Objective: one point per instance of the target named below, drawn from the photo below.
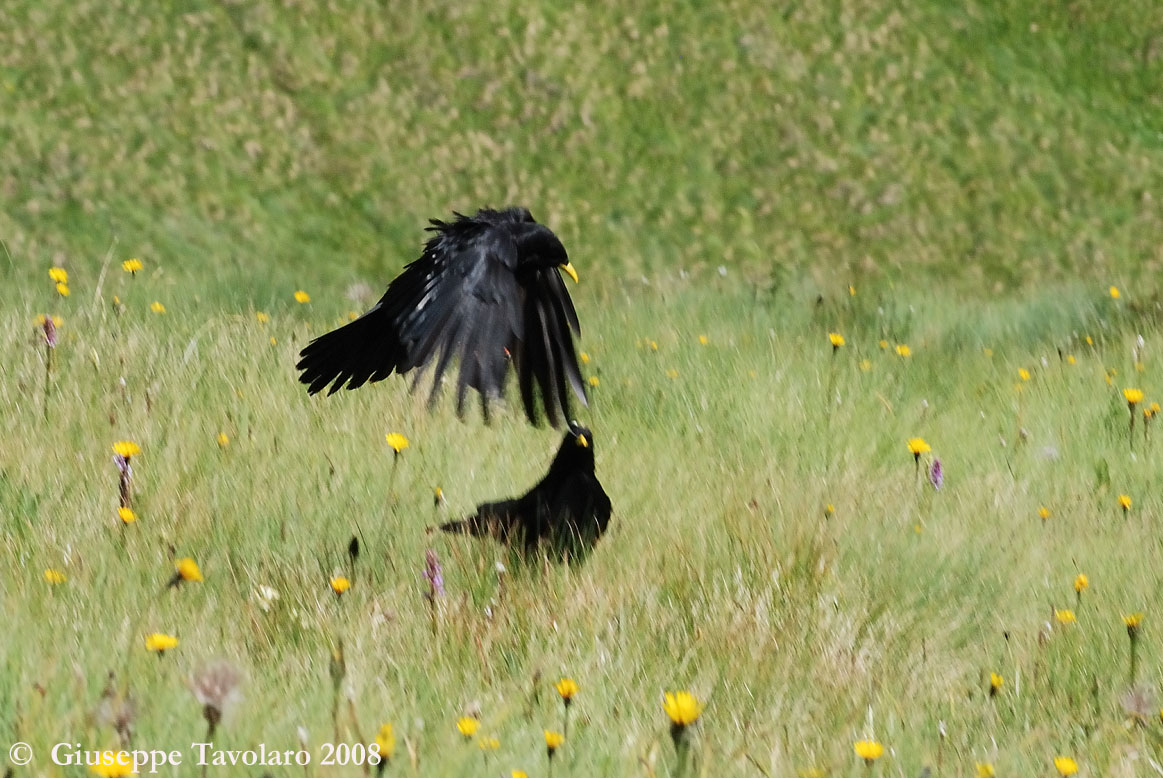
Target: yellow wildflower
(262, 318)
(1081, 583)
(157, 307)
(683, 708)
(553, 741)
(585, 358)
(918, 446)
(868, 750)
(1124, 502)
(397, 441)
(468, 725)
(704, 340)
(1133, 621)
(223, 440)
(1134, 396)
(985, 770)
(829, 509)
(1114, 292)
(126, 448)
(340, 584)
(567, 688)
(836, 339)
(1064, 764)
(302, 297)
(188, 569)
(160, 642)
(594, 381)
(131, 266)
(54, 576)
(995, 684)
(1023, 374)
(386, 741)
(1044, 512)
(113, 764)
(672, 374)
(865, 365)
(1064, 616)
(883, 344)
(41, 318)
(1070, 360)
(63, 290)
(59, 275)
(987, 351)
(903, 350)
(518, 774)
(126, 515)
(488, 743)
(851, 290)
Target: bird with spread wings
(488, 291)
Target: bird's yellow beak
(569, 271)
(583, 441)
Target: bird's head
(540, 249)
(577, 449)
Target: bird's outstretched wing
(459, 299)
(546, 360)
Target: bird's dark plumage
(487, 291)
(568, 510)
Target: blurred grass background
(978, 173)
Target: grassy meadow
(966, 193)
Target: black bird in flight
(568, 509)
(486, 290)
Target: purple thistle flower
(50, 332)
(936, 474)
(433, 574)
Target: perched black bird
(568, 509)
(486, 290)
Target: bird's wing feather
(547, 361)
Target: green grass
(980, 174)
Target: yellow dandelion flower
(585, 358)
(868, 750)
(386, 741)
(1089, 341)
(995, 683)
(1133, 621)
(1114, 292)
(302, 297)
(1023, 374)
(594, 381)
(188, 569)
(829, 509)
(1081, 583)
(903, 350)
(654, 345)
(883, 344)
(126, 515)
(1070, 360)
(672, 374)
(553, 740)
(488, 743)
(518, 774)
(160, 642)
(865, 365)
(262, 318)
(1064, 616)
(126, 448)
(273, 341)
(918, 446)
(157, 307)
(1064, 764)
(340, 584)
(1044, 512)
(836, 339)
(1155, 407)
(985, 770)
(54, 576)
(397, 441)
(851, 290)
(468, 725)
(63, 290)
(1134, 396)
(131, 266)
(567, 688)
(683, 708)
(1125, 502)
(113, 764)
(58, 275)
(223, 440)
(704, 340)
